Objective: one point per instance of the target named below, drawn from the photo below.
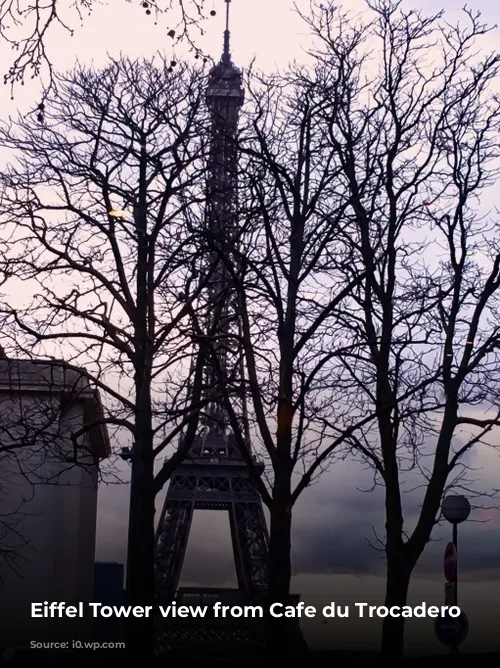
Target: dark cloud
(336, 549)
(334, 521)
(479, 547)
(333, 525)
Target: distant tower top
(226, 55)
(225, 79)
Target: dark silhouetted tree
(28, 27)
(367, 279)
(413, 130)
(97, 209)
(288, 279)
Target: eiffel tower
(215, 476)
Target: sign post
(450, 593)
(450, 562)
(452, 631)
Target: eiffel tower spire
(226, 54)
(215, 475)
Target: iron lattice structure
(215, 475)
(215, 482)
(227, 636)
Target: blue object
(108, 583)
(451, 631)
(108, 590)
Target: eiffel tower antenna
(226, 55)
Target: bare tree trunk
(396, 593)
(141, 542)
(280, 564)
(127, 274)
(141, 550)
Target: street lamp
(455, 509)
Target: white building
(52, 437)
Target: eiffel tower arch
(214, 477)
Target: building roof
(57, 378)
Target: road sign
(450, 562)
(450, 593)
(451, 631)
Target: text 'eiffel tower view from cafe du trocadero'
(249, 340)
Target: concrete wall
(48, 501)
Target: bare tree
(13, 541)
(28, 27)
(288, 279)
(367, 281)
(413, 127)
(99, 210)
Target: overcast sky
(333, 520)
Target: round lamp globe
(456, 508)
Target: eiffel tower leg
(172, 537)
(250, 545)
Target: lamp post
(455, 509)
